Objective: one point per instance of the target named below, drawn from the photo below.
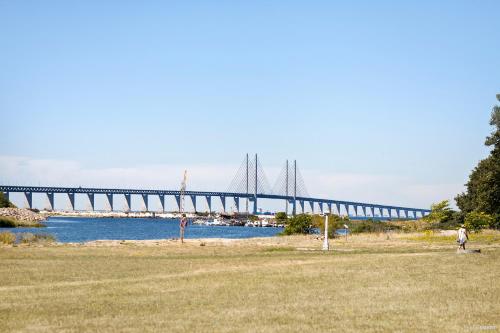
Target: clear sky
(386, 101)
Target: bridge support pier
(128, 201)
(71, 197)
(178, 201)
(145, 201)
(301, 203)
(91, 200)
(363, 208)
(337, 205)
(193, 201)
(237, 204)
(50, 197)
(223, 202)
(294, 206)
(29, 199)
(209, 204)
(372, 209)
(6, 195)
(161, 197)
(381, 211)
(329, 206)
(346, 206)
(311, 204)
(109, 196)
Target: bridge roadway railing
(349, 206)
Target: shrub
(253, 218)
(371, 226)
(496, 222)
(4, 203)
(7, 222)
(29, 238)
(476, 221)
(411, 226)
(7, 237)
(440, 212)
(335, 222)
(452, 224)
(281, 217)
(44, 238)
(299, 224)
(26, 237)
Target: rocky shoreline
(114, 214)
(22, 217)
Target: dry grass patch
(7, 237)
(367, 283)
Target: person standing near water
(463, 237)
(182, 226)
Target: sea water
(78, 229)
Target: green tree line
(480, 203)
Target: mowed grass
(367, 283)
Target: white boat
(249, 224)
(214, 222)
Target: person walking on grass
(463, 237)
(182, 226)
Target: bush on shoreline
(11, 238)
(8, 222)
(335, 222)
(299, 224)
(29, 238)
(7, 237)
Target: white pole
(325, 240)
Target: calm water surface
(76, 229)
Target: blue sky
(384, 101)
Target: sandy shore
(381, 240)
(257, 241)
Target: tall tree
(483, 187)
(4, 202)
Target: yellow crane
(183, 221)
(183, 193)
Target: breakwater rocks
(114, 214)
(25, 217)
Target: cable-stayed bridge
(248, 186)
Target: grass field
(373, 283)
